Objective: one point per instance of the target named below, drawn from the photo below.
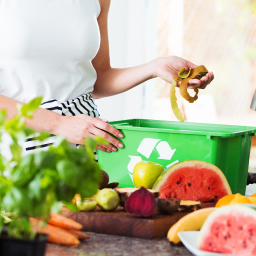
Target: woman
(59, 50)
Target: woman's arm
(73, 128)
(44, 120)
(112, 81)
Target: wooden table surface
(109, 245)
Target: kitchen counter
(108, 245)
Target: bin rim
(235, 130)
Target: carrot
(63, 222)
(56, 235)
(78, 234)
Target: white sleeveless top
(47, 47)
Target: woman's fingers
(105, 148)
(201, 83)
(107, 127)
(106, 136)
(102, 148)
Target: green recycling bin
(167, 143)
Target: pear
(107, 199)
(86, 205)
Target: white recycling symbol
(146, 147)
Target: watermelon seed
(250, 233)
(178, 182)
(228, 235)
(216, 197)
(229, 225)
(209, 188)
(225, 237)
(210, 244)
(244, 244)
(241, 228)
(189, 184)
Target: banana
(192, 221)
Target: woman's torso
(46, 48)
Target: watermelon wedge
(193, 180)
(231, 230)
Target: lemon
(146, 173)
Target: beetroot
(141, 203)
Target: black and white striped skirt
(83, 104)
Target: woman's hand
(168, 67)
(76, 128)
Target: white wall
(132, 37)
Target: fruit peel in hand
(184, 78)
(199, 70)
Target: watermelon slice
(193, 180)
(230, 229)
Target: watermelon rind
(191, 163)
(245, 209)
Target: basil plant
(34, 184)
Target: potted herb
(35, 184)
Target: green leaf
(49, 178)
(56, 207)
(16, 151)
(35, 188)
(43, 136)
(4, 187)
(19, 107)
(3, 163)
(15, 128)
(28, 131)
(8, 202)
(2, 116)
(77, 155)
(17, 200)
(90, 145)
(64, 192)
(24, 171)
(87, 188)
(99, 140)
(68, 172)
(28, 109)
(72, 207)
(44, 159)
(59, 147)
(1, 222)
(22, 204)
(25, 225)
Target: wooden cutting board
(122, 223)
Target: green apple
(146, 173)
